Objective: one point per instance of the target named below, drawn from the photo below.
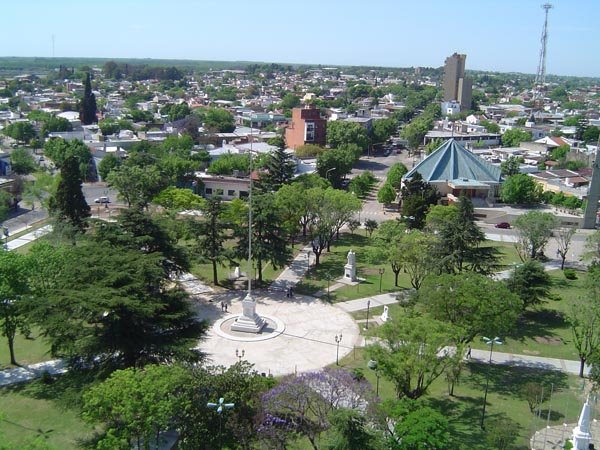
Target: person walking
(468, 352)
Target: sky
(496, 35)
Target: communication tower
(540, 77)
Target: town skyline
(387, 34)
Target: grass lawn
(544, 331)
(42, 411)
(27, 351)
(505, 399)
(205, 273)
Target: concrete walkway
(27, 373)
(361, 304)
(29, 237)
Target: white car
(102, 200)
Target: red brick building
(306, 127)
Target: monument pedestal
(581, 433)
(350, 267)
(249, 321)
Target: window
(309, 132)
(208, 191)
(231, 193)
(243, 194)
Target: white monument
(581, 433)
(249, 321)
(385, 317)
(350, 267)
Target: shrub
(570, 274)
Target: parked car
(502, 225)
(102, 200)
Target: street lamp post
(240, 354)
(368, 308)
(220, 406)
(372, 364)
(327, 172)
(491, 343)
(381, 272)
(6, 234)
(338, 339)
(307, 262)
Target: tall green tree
(417, 196)
(413, 254)
(461, 243)
(20, 131)
(210, 235)
(68, 203)
(136, 405)
(268, 235)
(333, 165)
(109, 163)
(340, 132)
(514, 137)
(280, 169)
(58, 150)
(530, 282)
(472, 303)
(409, 353)
(88, 108)
(14, 287)
(521, 189)
(510, 166)
(137, 185)
(395, 174)
(387, 194)
(22, 162)
(534, 230)
(113, 307)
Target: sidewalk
(361, 303)
(26, 373)
(28, 237)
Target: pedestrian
(225, 307)
(287, 292)
(468, 352)
(222, 306)
(291, 292)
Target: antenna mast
(540, 77)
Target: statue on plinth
(350, 267)
(581, 433)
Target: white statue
(236, 272)
(350, 267)
(351, 258)
(581, 433)
(385, 316)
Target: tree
(592, 247)
(280, 169)
(472, 303)
(387, 194)
(109, 163)
(58, 150)
(395, 174)
(289, 101)
(268, 242)
(179, 199)
(514, 137)
(423, 428)
(302, 404)
(340, 132)
(501, 433)
(53, 124)
(68, 203)
(490, 127)
(217, 120)
(210, 235)
(370, 226)
(333, 165)
(534, 230)
(202, 428)
(510, 166)
(13, 287)
(410, 353)
(591, 134)
(521, 189)
(137, 405)
(534, 394)
(461, 243)
(20, 131)
(21, 162)
(563, 237)
(87, 111)
(416, 130)
(109, 126)
(137, 185)
(388, 237)
(308, 151)
(417, 196)
(413, 254)
(115, 307)
(530, 282)
(383, 129)
(349, 431)
(438, 216)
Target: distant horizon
(283, 63)
(496, 37)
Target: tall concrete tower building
(457, 87)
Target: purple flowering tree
(300, 405)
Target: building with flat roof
(456, 86)
(306, 127)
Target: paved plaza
(306, 342)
